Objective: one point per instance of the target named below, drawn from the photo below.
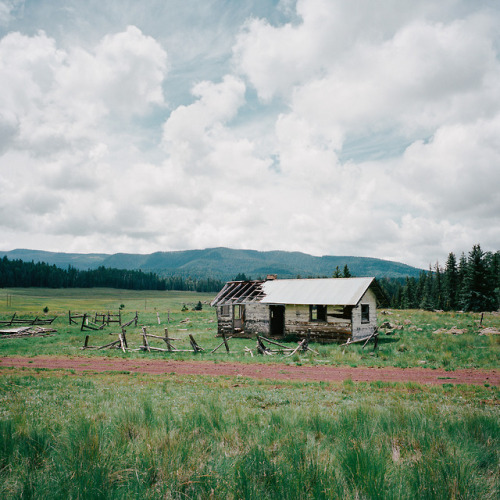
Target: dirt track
(259, 371)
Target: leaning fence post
(145, 340)
(167, 340)
(225, 341)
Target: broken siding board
(225, 325)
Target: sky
(323, 126)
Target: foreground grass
(138, 436)
(413, 344)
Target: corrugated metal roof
(333, 291)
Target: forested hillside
(223, 263)
(471, 283)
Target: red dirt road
(259, 371)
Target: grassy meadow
(140, 436)
(412, 343)
(123, 435)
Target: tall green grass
(117, 436)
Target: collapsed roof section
(239, 292)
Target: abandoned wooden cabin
(327, 309)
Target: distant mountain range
(222, 263)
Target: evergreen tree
(451, 283)
(346, 273)
(495, 272)
(477, 283)
(426, 291)
(462, 271)
(437, 289)
(241, 277)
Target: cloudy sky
(324, 126)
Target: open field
(66, 435)
(133, 433)
(414, 345)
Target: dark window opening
(225, 311)
(317, 313)
(277, 320)
(365, 313)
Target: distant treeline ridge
(470, 284)
(17, 273)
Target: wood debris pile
(26, 331)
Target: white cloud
(457, 170)
(424, 76)
(189, 131)
(55, 97)
(59, 130)
(254, 156)
(123, 74)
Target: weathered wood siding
(334, 329)
(256, 321)
(360, 329)
(224, 322)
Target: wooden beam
(224, 342)
(195, 346)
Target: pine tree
(476, 290)
(437, 288)
(346, 273)
(451, 283)
(426, 291)
(462, 272)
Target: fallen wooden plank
(301, 343)
(162, 338)
(224, 342)
(274, 343)
(109, 345)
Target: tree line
(17, 273)
(471, 283)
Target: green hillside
(222, 263)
